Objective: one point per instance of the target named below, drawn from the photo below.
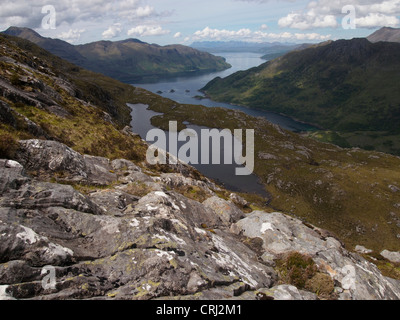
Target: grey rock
(391, 256)
(362, 249)
(160, 248)
(99, 170)
(124, 165)
(112, 244)
(394, 188)
(288, 292)
(174, 180)
(226, 210)
(11, 175)
(22, 243)
(238, 199)
(283, 234)
(52, 156)
(113, 202)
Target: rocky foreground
(112, 230)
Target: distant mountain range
(385, 34)
(129, 60)
(270, 50)
(346, 85)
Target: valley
(129, 60)
(77, 194)
(347, 87)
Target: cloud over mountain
(327, 14)
(247, 34)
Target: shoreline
(316, 126)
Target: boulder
(99, 170)
(362, 249)
(225, 210)
(52, 157)
(113, 244)
(282, 234)
(11, 175)
(155, 246)
(391, 256)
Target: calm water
(224, 174)
(184, 89)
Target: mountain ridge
(345, 85)
(129, 60)
(387, 34)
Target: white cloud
(113, 31)
(178, 35)
(142, 31)
(28, 14)
(257, 36)
(308, 21)
(216, 34)
(144, 11)
(377, 19)
(327, 14)
(71, 36)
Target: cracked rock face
(281, 234)
(57, 243)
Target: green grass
(344, 191)
(351, 93)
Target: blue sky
(185, 21)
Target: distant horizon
(166, 22)
(195, 42)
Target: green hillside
(348, 86)
(129, 60)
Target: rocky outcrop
(116, 242)
(354, 276)
(391, 256)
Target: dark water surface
(222, 173)
(185, 89)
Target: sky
(185, 21)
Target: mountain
(240, 46)
(385, 34)
(129, 60)
(348, 86)
(270, 50)
(84, 216)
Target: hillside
(129, 60)
(83, 216)
(385, 34)
(348, 86)
(269, 50)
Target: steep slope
(42, 96)
(347, 86)
(132, 60)
(79, 221)
(129, 60)
(57, 47)
(385, 34)
(350, 192)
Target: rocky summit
(113, 230)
